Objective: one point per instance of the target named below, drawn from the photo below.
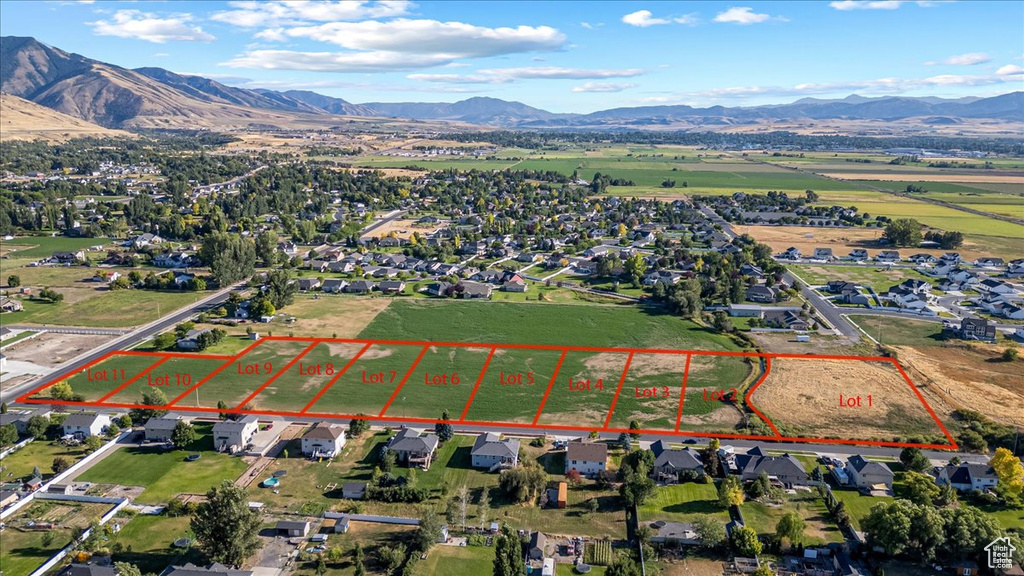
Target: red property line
(402, 383)
(615, 399)
(479, 379)
(287, 367)
(682, 393)
(26, 396)
(551, 385)
(133, 379)
(543, 427)
(219, 369)
(767, 369)
(327, 386)
(926, 405)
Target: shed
(563, 495)
(292, 528)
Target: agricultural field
(165, 473)
(849, 399)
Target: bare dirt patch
(803, 397)
(968, 376)
(403, 229)
(840, 240)
(334, 316)
(926, 177)
(50, 349)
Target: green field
(22, 549)
(102, 309)
(367, 385)
(294, 389)
(857, 505)
(172, 377)
(149, 540)
(820, 529)
(683, 503)
(98, 380)
(236, 382)
(165, 473)
(879, 279)
(38, 453)
(37, 247)
(902, 331)
(457, 560)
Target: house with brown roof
(587, 458)
(325, 440)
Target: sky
(560, 56)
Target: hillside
(24, 120)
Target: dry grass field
(842, 399)
(926, 177)
(402, 229)
(329, 316)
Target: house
(784, 469)
(9, 305)
(292, 528)
(160, 429)
(587, 458)
(353, 490)
(474, 290)
(392, 286)
(858, 254)
(514, 286)
(752, 271)
(333, 285)
(967, 477)
(916, 286)
(760, 293)
(360, 287)
(82, 425)
(996, 287)
(77, 569)
(325, 440)
(191, 339)
(972, 329)
(215, 569)
(234, 435)
(840, 286)
(492, 453)
(308, 284)
(438, 289)
(888, 256)
(923, 259)
(787, 319)
(905, 298)
(675, 533)
(746, 310)
(8, 497)
(670, 463)
(538, 541)
(822, 254)
(412, 448)
(990, 262)
(865, 474)
(792, 253)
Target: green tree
(229, 256)
(357, 427)
(623, 565)
(508, 553)
(62, 391)
(730, 492)
(8, 435)
(919, 488)
(444, 429)
(126, 569)
(710, 531)
(913, 459)
(280, 290)
(60, 464)
(13, 281)
(635, 266)
(763, 570)
(745, 542)
(903, 232)
(266, 247)
(93, 443)
(357, 559)
(183, 435)
(1010, 354)
(790, 527)
(634, 425)
(165, 341)
(226, 529)
(37, 426)
(429, 531)
(888, 525)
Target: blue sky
(561, 56)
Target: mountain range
(116, 97)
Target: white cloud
(602, 87)
(459, 78)
(745, 15)
(252, 14)
(555, 72)
(644, 18)
(969, 59)
(161, 55)
(400, 44)
(1010, 70)
(846, 5)
(591, 26)
(151, 28)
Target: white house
(160, 429)
(83, 425)
(491, 452)
(587, 458)
(234, 435)
(324, 440)
(967, 477)
(865, 474)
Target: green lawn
(880, 279)
(457, 560)
(901, 331)
(22, 549)
(820, 529)
(567, 570)
(683, 503)
(858, 505)
(150, 537)
(104, 309)
(37, 453)
(37, 247)
(165, 474)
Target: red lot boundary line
(746, 399)
(615, 399)
(133, 379)
(269, 381)
(551, 384)
(682, 393)
(472, 395)
(337, 376)
(26, 398)
(402, 383)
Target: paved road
(394, 214)
(126, 341)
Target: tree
(8, 435)
(635, 266)
(634, 425)
(60, 464)
(226, 529)
(62, 391)
(508, 553)
(37, 426)
(745, 542)
(1009, 471)
(637, 489)
(357, 426)
(888, 525)
(791, 527)
(444, 429)
(913, 459)
(127, 569)
(763, 570)
(13, 281)
(429, 532)
(592, 505)
(920, 488)
(229, 256)
(388, 462)
(51, 295)
(730, 492)
(165, 341)
(266, 247)
(93, 443)
(523, 483)
(280, 290)
(462, 497)
(483, 507)
(903, 232)
(623, 566)
(184, 435)
(357, 559)
(573, 477)
(710, 531)
(1010, 354)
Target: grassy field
(150, 537)
(96, 381)
(857, 505)
(37, 247)
(22, 550)
(683, 503)
(903, 331)
(820, 529)
(456, 560)
(38, 453)
(172, 377)
(879, 279)
(103, 309)
(165, 473)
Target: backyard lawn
(38, 453)
(683, 503)
(857, 505)
(165, 473)
(149, 540)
